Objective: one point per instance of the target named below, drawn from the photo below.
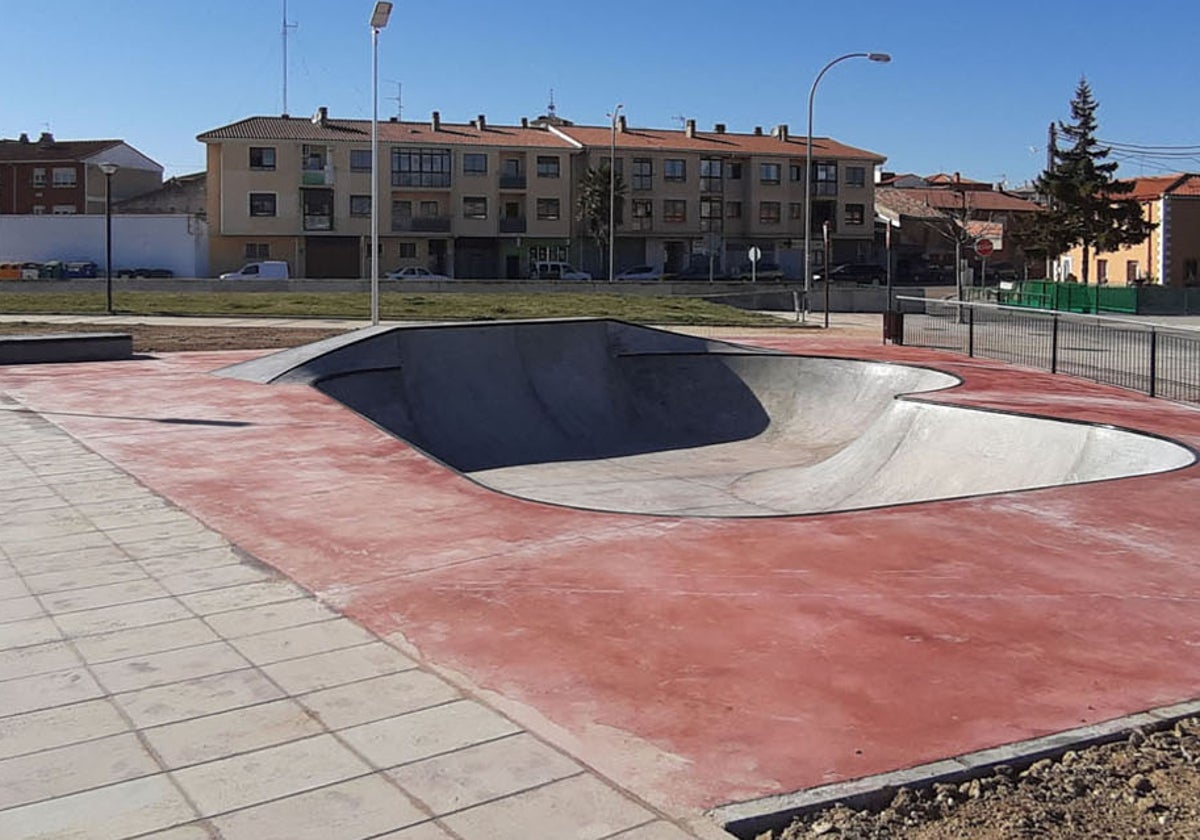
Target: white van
(551, 270)
(266, 270)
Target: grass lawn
(448, 306)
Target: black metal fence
(1157, 360)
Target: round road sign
(755, 253)
(984, 247)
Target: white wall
(174, 241)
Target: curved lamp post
(808, 173)
(379, 19)
(109, 170)
(612, 193)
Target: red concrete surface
(697, 662)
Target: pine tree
(592, 209)
(1086, 204)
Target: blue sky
(971, 88)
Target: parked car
(553, 270)
(81, 268)
(763, 271)
(265, 270)
(854, 273)
(640, 272)
(415, 272)
(153, 272)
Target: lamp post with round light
(808, 173)
(109, 170)
(379, 19)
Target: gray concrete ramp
(610, 416)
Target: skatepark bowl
(605, 415)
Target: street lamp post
(808, 173)
(109, 170)
(612, 194)
(379, 19)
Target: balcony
(642, 224)
(513, 225)
(421, 224)
(318, 222)
(712, 185)
(317, 177)
(714, 225)
(512, 182)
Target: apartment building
(483, 201)
(62, 177)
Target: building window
(262, 204)
(674, 210)
(360, 160)
(474, 164)
(39, 178)
(1101, 272)
(420, 167)
(733, 209)
(643, 174)
(856, 176)
(733, 171)
(768, 173)
(314, 158)
(317, 208)
(825, 177)
(407, 250)
(547, 208)
(547, 166)
(63, 210)
(64, 176)
(674, 169)
(710, 174)
(606, 161)
(429, 209)
(1133, 271)
(796, 172)
(795, 211)
(360, 205)
(856, 214)
(1190, 269)
(262, 157)
(643, 208)
(768, 212)
(257, 251)
(711, 213)
(474, 207)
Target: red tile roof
(1156, 186)
(302, 128)
(33, 151)
(930, 203)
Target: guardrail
(1158, 360)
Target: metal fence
(1154, 359)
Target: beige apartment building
(483, 201)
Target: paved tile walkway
(157, 682)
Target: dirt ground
(1145, 786)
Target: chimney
(622, 126)
(524, 122)
(690, 128)
(46, 139)
(758, 131)
(481, 122)
(436, 122)
(392, 119)
(321, 116)
(24, 137)
(780, 131)
(719, 128)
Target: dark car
(854, 273)
(763, 271)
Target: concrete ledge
(65, 347)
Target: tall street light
(109, 170)
(612, 193)
(379, 19)
(808, 173)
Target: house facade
(1169, 256)
(63, 177)
(484, 201)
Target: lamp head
(379, 17)
(108, 168)
(882, 58)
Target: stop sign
(984, 247)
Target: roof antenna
(397, 99)
(284, 33)
(550, 107)
(681, 119)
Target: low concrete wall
(65, 347)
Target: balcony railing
(317, 177)
(421, 224)
(318, 222)
(712, 185)
(513, 225)
(713, 225)
(642, 224)
(512, 182)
